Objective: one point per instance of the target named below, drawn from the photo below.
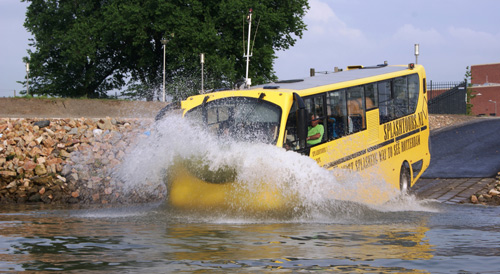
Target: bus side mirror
(302, 127)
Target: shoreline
(71, 160)
(67, 161)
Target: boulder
(40, 170)
(42, 124)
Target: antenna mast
(248, 81)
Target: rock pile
(66, 160)
(489, 197)
(437, 121)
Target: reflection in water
(155, 239)
(353, 242)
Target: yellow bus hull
(188, 192)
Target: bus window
(385, 101)
(337, 114)
(371, 95)
(413, 89)
(400, 97)
(315, 107)
(355, 109)
(239, 118)
(291, 135)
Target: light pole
(27, 78)
(164, 43)
(494, 102)
(248, 81)
(416, 53)
(202, 61)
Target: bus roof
(332, 78)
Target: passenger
(315, 131)
(224, 129)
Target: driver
(315, 131)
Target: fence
(447, 97)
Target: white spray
(319, 191)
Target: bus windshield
(239, 118)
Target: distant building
(485, 81)
(485, 74)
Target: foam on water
(320, 193)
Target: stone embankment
(66, 160)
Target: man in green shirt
(315, 131)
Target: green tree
(470, 93)
(88, 47)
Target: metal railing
(447, 97)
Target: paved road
(464, 161)
(468, 151)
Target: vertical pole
(28, 79)
(416, 53)
(202, 61)
(164, 53)
(466, 96)
(247, 80)
(430, 94)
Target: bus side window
(315, 106)
(400, 97)
(385, 101)
(356, 109)
(337, 114)
(371, 95)
(413, 89)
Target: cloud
(476, 39)
(324, 24)
(323, 45)
(319, 12)
(409, 33)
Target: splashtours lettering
(401, 126)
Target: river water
(341, 225)
(151, 238)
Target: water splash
(319, 193)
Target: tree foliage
(88, 47)
(471, 94)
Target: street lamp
(494, 102)
(164, 43)
(202, 61)
(416, 53)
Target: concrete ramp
(76, 108)
(467, 151)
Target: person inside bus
(315, 131)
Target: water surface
(152, 238)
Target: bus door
(296, 127)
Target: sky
(452, 34)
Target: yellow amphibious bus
(368, 119)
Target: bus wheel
(405, 178)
